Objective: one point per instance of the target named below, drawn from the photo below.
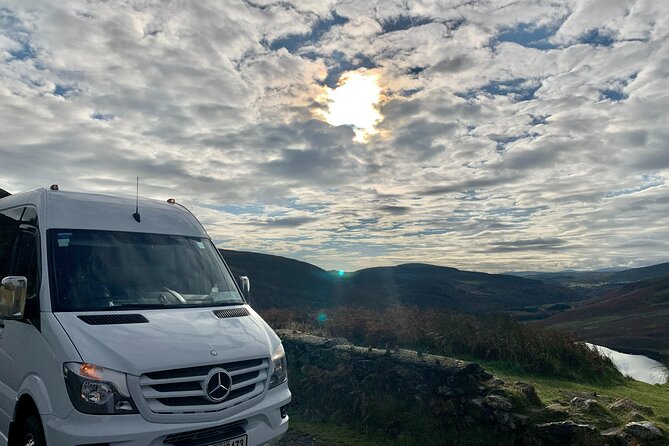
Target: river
(638, 367)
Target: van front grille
(180, 391)
(201, 401)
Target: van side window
(9, 225)
(26, 261)
(29, 217)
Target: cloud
(522, 137)
(287, 222)
(539, 244)
(395, 210)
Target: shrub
(496, 337)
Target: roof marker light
(54, 187)
(171, 200)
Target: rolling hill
(281, 282)
(632, 318)
(4, 193)
(286, 283)
(592, 280)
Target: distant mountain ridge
(644, 273)
(285, 283)
(633, 317)
(592, 283)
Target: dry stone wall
(414, 394)
(347, 377)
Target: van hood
(172, 338)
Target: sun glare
(355, 102)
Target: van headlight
(97, 390)
(280, 373)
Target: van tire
(31, 433)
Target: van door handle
(2, 323)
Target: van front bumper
(265, 425)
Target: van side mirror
(13, 291)
(245, 286)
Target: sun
(355, 102)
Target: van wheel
(31, 432)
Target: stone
(474, 408)
(445, 391)
(579, 402)
(565, 433)
(448, 408)
(495, 382)
(528, 391)
(558, 409)
(498, 403)
(586, 405)
(628, 405)
(521, 420)
(643, 430)
(331, 342)
(615, 437)
(511, 421)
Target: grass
(551, 389)
(338, 434)
(334, 434)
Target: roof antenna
(136, 214)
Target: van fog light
(124, 406)
(96, 390)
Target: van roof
(75, 210)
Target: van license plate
(237, 441)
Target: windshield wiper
(175, 294)
(139, 307)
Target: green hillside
(632, 318)
(278, 282)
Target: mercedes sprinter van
(122, 325)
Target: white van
(128, 330)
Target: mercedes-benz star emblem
(218, 385)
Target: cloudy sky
(485, 135)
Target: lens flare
(355, 102)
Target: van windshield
(109, 270)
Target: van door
(20, 343)
(9, 226)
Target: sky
(483, 135)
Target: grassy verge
(337, 434)
(333, 434)
(551, 389)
